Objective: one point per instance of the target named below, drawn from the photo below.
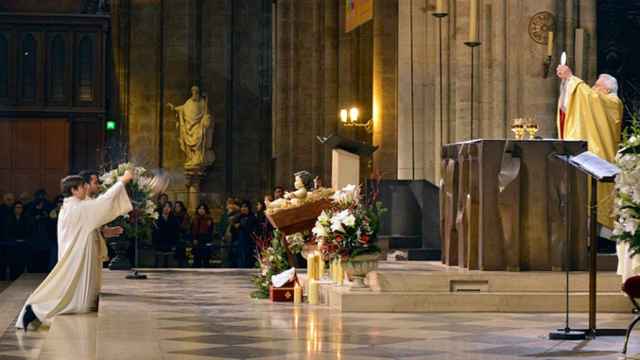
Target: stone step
(488, 281)
(346, 300)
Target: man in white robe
(105, 232)
(73, 284)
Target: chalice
(518, 129)
(532, 129)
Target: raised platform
(432, 287)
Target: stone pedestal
(194, 179)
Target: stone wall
(319, 69)
(508, 74)
(161, 48)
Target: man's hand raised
(111, 232)
(127, 177)
(564, 72)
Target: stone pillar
(193, 184)
(144, 86)
(385, 127)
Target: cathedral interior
(230, 101)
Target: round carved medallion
(540, 25)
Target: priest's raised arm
(593, 114)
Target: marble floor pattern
(209, 315)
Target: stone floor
(209, 315)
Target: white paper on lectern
(594, 165)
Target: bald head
(606, 84)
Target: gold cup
(532, 129)
(518, 128)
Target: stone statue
(195, 131)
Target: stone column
(193, 184)
(144, 87)
(385, 127)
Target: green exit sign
(111, 125)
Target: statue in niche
(195, 131)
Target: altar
(512, 205)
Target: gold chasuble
(593, 116)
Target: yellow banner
(357, 13)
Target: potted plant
(348, 231)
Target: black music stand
(598, 170)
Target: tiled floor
(209, 315)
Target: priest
(73, 284)
(593, 114)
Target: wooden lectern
(345, 159)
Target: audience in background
(263, 226)
(245, 227)
(18, 229)
(39, 239)
(28, 233)
(181, 214)
(230, 235)
(202, 234)
(165, 235)
(162, 199)
(278, 192)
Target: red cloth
(562, 116)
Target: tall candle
(340, 273)
(442, 6)
(297, 294)
(550, 44)
(473, 21)
(311, 267)
(314, 289)
(321, 266)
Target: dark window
(57, 68)
(29, 67)
(85, 92)
(4, 66)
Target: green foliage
(272, 260)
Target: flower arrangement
(295, 242)
(271, 260)
(140, 221)
(350, 227)
(626, 207)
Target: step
(488, 281)
(346, 300)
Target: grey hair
(612, 83)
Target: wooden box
(297, 219)
(282, 294)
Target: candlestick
(550, 44)
(473, 21)
(314, 289)
(442, 6)
(297, 294)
